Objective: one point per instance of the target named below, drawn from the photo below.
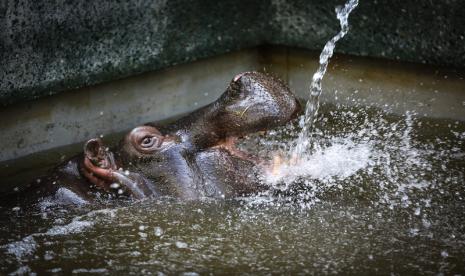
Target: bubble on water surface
(158, 231)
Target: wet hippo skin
(192, 158)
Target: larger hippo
(192, 158)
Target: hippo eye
(148, 142)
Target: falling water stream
(303, 142)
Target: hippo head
(167, 160)
(134, 166)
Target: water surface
(378, 194)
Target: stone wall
(51, 46)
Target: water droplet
(158, 231)
(114, 185)
(182, 245)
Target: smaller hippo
(192, 158)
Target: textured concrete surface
(51, 46)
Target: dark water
(379, 194)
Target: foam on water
(63, 196)
(76, 226)
(342, 159)
(27, 246)
(22, 248)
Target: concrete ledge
(51, 46)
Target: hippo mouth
(230, 144)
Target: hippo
(192, 158)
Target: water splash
(341, 159)
(303, 142)
(383, 157)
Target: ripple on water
(385, 194)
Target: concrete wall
(55, 45)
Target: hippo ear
(99, 167)
(91, 147)
(99, 155)
(97, 163)
(94, 150)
